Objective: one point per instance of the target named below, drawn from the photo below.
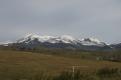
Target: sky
(79, 18)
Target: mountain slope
(62, 42)
(116, 46)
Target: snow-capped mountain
(32, 37)
(92, 41)
(67, 42)
(61, 39)
(50, 39)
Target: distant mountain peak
(64, 41)
(50, 39)
(67, 38)
(92, 41)
(31, 37)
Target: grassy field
(28, 64)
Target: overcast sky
(79, 18)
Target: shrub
(108, 72)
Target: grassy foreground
(18, 65)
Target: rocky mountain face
(116, 46)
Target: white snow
(91, 41)
(67, 39)
(62, 39)
(34, 36)
(50, 39)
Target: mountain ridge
(65, 42)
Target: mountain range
(33, 41)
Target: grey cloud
(79, 18)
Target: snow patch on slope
(91, 41)
(50, 39)
(32, 37)
(67, 39)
